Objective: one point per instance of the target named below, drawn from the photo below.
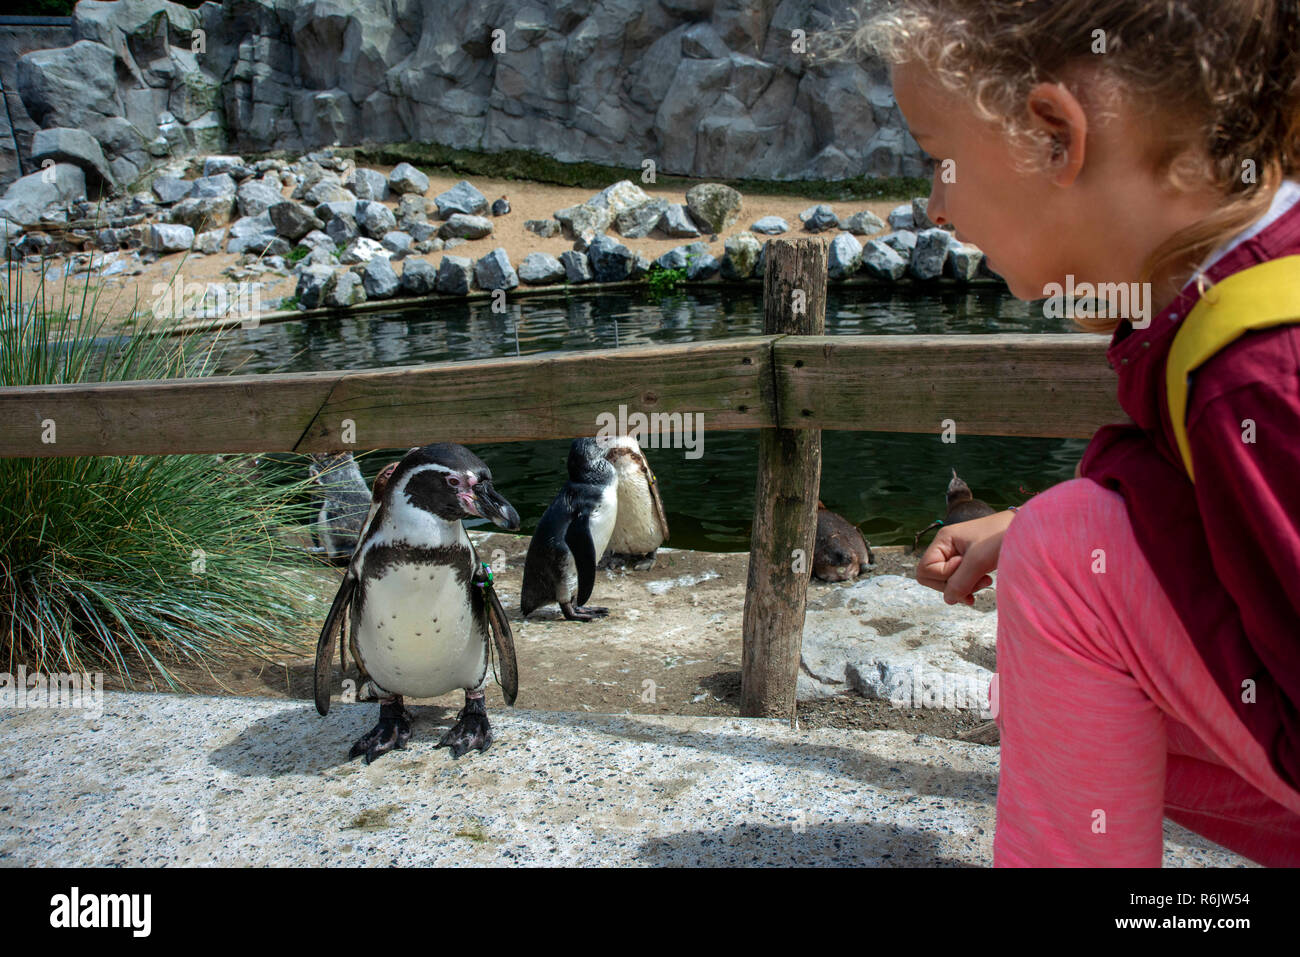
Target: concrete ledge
(171, 779)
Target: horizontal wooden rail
(1022, 385)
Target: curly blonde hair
(1220, 82)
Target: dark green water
(890, 484)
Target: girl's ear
(1057, 116)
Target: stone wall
(19, 35)
(707, 88)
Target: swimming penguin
(841, 552)
(572, 535)
(424, 616)
(345, 502)
(962, 507)
(640, 527)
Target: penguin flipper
(583, 549)
(504, 641)
(328, 634)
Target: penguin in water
(345, 502)
(424, 616)
(962, 507)
(640, 527)
(572, 535)
(841, 552)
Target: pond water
(892, 485)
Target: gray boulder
(233, 166)
(494, 271)
(361, 250)
(880, 261)
(252, 197)
(327, 191)
(964, 260)
(171, 190)
(619, 198)
(209, 242)
(714, 205)
(902, 242)
(677, 223)
(742, 252)
(313, 281)
(43, 195)
(540, 269)
(208, 187)
(461, 198)
(353, 207)
(865, 223)
(546, 228)
(421, 230)
(701, 267)
(819, 218)
(584, 221)
(640, 266)
(346, 290)
(405, 178)
(770, 225)
(77, 147)
(679, 257)
(900, 218)
(368, 184)
(463, 226)
(293, 220)
(397, 242)
(170, 237)
(930, 254)
(844, 256)
(412, 208)
(378, 279)
(454, 275)
(376, 219)
(577, 268)
(418, 278)
(204, 212)
(251, 234)
(640, 221)
(342, 228)
(610, 261)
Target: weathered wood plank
(1021, 385)
(533, 397)
(785, 500)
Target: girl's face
(1011, 215)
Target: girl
(1149, 611)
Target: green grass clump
(297, 254)
(662, 280)
(134, 564)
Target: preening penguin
(572, 535)
(345, 502)
(640, 526)
(841, 552)
(962, 507)
(424, 616)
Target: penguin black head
(958, 491)
(450, 481)
(587, 462)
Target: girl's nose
(937, 208)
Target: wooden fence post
(785, 498)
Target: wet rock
(713, 205)
(418, 278)
(461, 198)
(930, 254)
(865, 223)
(454, 275)
(844, 256)
(741, 256)
(770, 225)
(577, 268)
(819, 218)
(378, 278)
(405, 178)
(880, 261)
(540, 269)
(463, 226)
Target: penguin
(962, 507)
(841, 552)
(345, 502)
(501, 206)
(572, 535)
(640, 527)
(422, 612)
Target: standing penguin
(572, 535)
(345, 501)
(424, 616)
(640, 527)
(962, 507)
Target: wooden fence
(791, 383)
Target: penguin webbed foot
(583, 612)
(471, 732)
(392, 731)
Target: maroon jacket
(1227, 549)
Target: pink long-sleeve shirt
(1227, 548)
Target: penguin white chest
(603, 519)
(417, 635)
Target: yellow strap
(1255, 298)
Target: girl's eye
(453, 481)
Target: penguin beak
(487, 503)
